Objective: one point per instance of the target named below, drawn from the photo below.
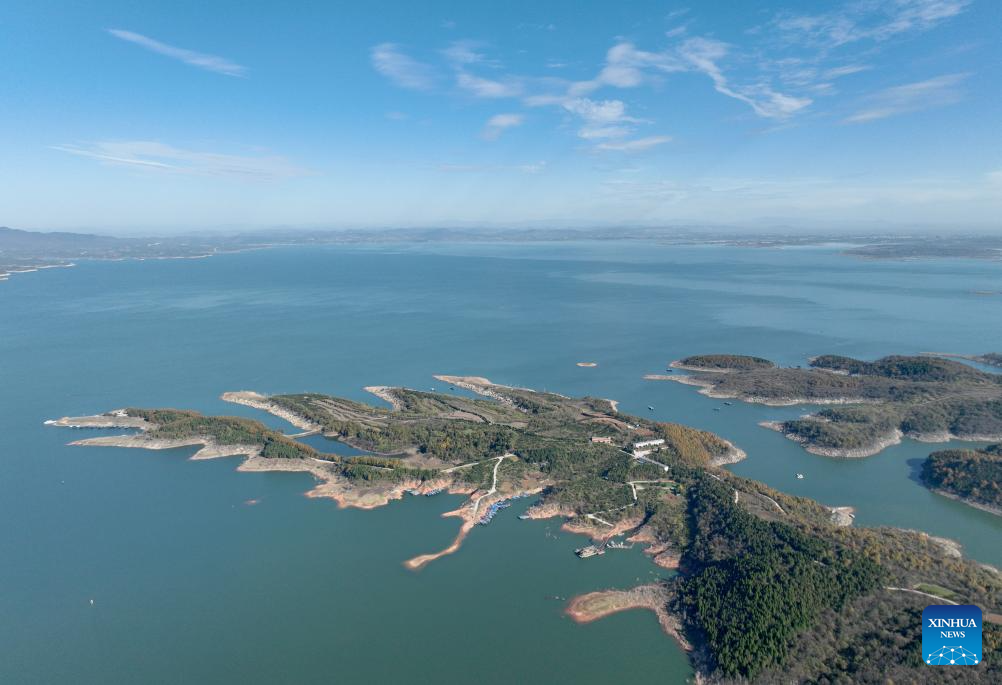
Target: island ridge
(769, 586)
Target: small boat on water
(589, 551)
(728, 403)
(650, 408)
(619, 545)
(800, 476)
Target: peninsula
(972, 476)
(769, 587)
(874, 404)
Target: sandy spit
(112, 419)
(595, 605)
(383, 393)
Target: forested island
(874, 404)
(769, 588)
(972, 476)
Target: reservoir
(199, 573)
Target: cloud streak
(488, 88)
(911, 97)
(401, 69)
(789, 66)
(214, 63)
(637, 145)
(499, 123)
(704, 54)
(858, 21)
(156, 156)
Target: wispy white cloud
(499, 123)
(156, 156)
(607, 125)
(704, 55)
(202, 60)
(464, 55)
(466, 52)
(402, 69)
(601, 118)
(598, 111)
(627, 67)
(488, 88)
(603, 132)
(867, 20)
(845, 70)
(637, 145)
(911, 97)
(788, 66)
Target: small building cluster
(645, 447)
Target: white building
(648, 443)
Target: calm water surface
(191, 584)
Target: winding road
(494, 485)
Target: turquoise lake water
(192, 585)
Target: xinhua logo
(951, 635)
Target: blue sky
(140, 116)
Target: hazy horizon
(750, 231)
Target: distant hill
(17, 241)
(25, 250)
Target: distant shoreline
(34, 250)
